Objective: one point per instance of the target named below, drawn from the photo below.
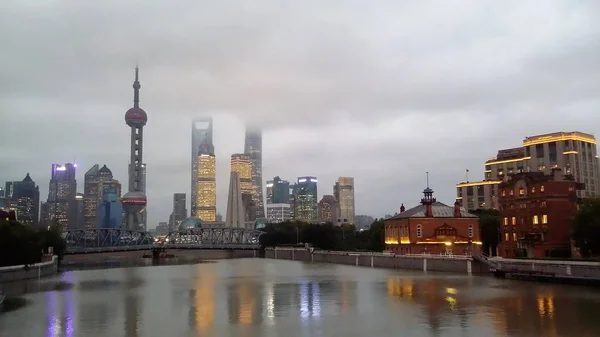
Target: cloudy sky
(382, 91)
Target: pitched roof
(440, 210)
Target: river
(278, 298)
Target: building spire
(136, 89)
(427, 173)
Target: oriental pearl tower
(134, 201)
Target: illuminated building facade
(24, 197)
(306, 202)
(278, 213)
(253, 148)
(343, 191)
(574, 153)
(432, 227)
(328, 209)
(241, 164)
(61, 204)
(537, 210)
(206, 188)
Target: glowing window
(535, 220)
(514, 236)
(542, 188)
(513, 221)
(505, 221)
(506, 237)
(544, 219)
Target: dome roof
(136, 116)
(190, 223)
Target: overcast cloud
(382, 91)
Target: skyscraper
(110, 210)
(240, 163)
(306, 200)
(344, 194)
(62, 206)
(24, 196)
(269, 191)
(281, 191)
(96, 180)
(206, 188)
(253, 148)
(134, 201)
(179, 212)
(202, 144)
(328, 209)
(235, 205)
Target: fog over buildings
(379, 91)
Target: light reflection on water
(255, 297)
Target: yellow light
(479, 183)
(554, 138)
(487, 171)
(570, 152)
(495, 162)
(391, 242)
(448, 243)
(404, 241)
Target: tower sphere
(136, 117)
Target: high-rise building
(328, 209)
(206, 188)
(80, 217)
(253, 148)
(278, 213)
(44, 215)
(269, 191)
(306, 204)
(179, 212)
(240, 163)
(24, 197)
(62, 206)
(292, 200)
(235, 206)
(574, 153)
(202, 144)
(343, 191)
(281, 191)
(134, 201)
(96, 180)
(110, 210)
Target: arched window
(419, 231)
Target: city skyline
(493, 89)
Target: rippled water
(258, 297)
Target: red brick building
(537, 211)
(432, 227)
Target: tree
(376, 236)
(586, 228)
(21, 244)
(489, 225)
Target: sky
(382, 91)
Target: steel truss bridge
(100, 240)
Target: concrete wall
(454, 264)
(182, 254)
(18, 273)
(565, 269)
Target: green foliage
(324, 236)
(489, 224)
(21, 244)
(586, 228)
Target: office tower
(1, 192)
(328, 210)
(24, 197)
(253, 148)
(202, 144)
(80, 214)
(110, 210)
(96, 180)
(134, 201)
(61, 204)
(240, 163)
(344, 194)
(281, 191)
(292, 200)
(179, 212)
(269, 191)
(206, 188)
(574, 153)
(235, 205)
(278, 213)
(306, 200)
(44, 214)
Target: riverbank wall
(33, 271)
(558, 271)
(460, 264)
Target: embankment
(455, 264)
(33, 271)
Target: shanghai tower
(134, 201)
(253, 148)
